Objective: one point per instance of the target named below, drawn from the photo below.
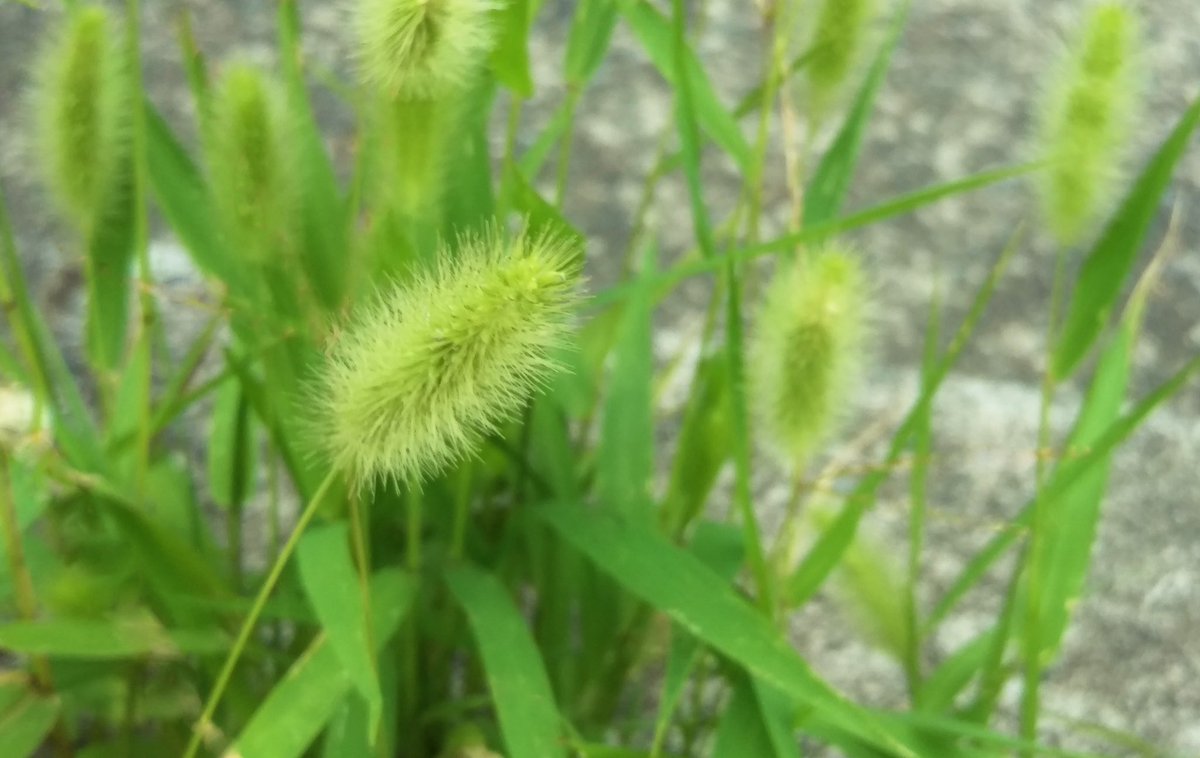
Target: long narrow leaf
(330, 581)
(296, 711)
(521, 691)
(826, 190)
(1104, 271)
(681, 586)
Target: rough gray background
(958, 100)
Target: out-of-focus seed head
(81, 108)
(1087, 118)
(422, 49)
(251, 160)
(838, 42)
(805, 349)
(435, 364)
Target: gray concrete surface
(959, 99)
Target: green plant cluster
(491, 553)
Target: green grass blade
(625, 459)
(330, 580)
(105, 640)
(75, 429)
(668, 280)
(1061, 554)
(521, 693)
(741, 731)
(703, 447)
(510, 58)
(826, 190)
(323, 211)
(296, 711)
(183, 197)
(25, 724)
(469, 166)
(1110, 261)
(701, 602)
(591, 32)
(1062, 480)
(231, 449)
(656, 35)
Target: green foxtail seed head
(82, 113)
(838, 41)
(435, 364)
(251, 161)
(805, 349)
(1086, 121)
(422, 49)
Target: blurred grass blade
(889, 209)
(700, 601)
(704, 445)
(540, 215)
(591, 32)
(625, 459)
(1061, 482)
(656, 35)
(521, 694)
(103, 640)
(296, 711)
(826, 190)
(25, 724)
(74, 428)
(330, 581)
(469, 167)
(741, 730)
(510, 58)
(323, 211)
(1107, 265)
(231, 449)
(184, 200)
(1062, 552)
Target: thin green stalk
(922, 450)
(564, 150)
(410, 661)
(25, 595)
(260, 601)
(359, 527)
(149, 314)
(1032, 632)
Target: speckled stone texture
(958, 99)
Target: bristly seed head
(805, 349)
(82, 113)
(1087, 119)
(422, 49)
(251, 160)
(837, 45)
(432, 366)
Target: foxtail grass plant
(405, 489)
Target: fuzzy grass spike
(251, 160)
(422, 49)
(837, 45)
(81, 112)
(1086, 122)
(434, 365)
(806, 348)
